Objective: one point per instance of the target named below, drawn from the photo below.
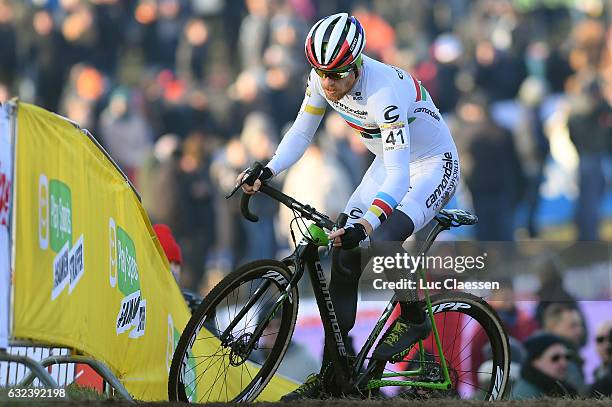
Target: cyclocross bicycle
(253, 311)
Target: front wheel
(475, 347)
(223, 353)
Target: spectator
(162, 23)
(447, 50)
(248, 95)
(553, 292)
(316, 167)
(259, 139)
(254, 32)
(603, 374)
(336, 142)
(493, 64)
(566, 322)
(543, 371)
(171, 249)
(381, 36)
(226, 165)
(175, 258)
(80, 32)
(197, 236)
(192, 51)
(112, 21)
(47, 72)
(603, 343)
(490, 168)
(120, 119)
(163, 185)
(532, 145)
(590, 130)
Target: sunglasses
(601, 339)
(558, 356)
(333, 75)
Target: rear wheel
(475, 347)
(220, 355)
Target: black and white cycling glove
(266, 175)
(353, 235)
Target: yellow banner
(89, 272)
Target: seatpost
(431, 237)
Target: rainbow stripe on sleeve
(382, 206)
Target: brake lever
(340, 223)
(330, 245)
(236, 188)
(247, 174)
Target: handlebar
(306, 211)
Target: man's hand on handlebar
(250, 189)
(246, 188)
(350, 236)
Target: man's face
(602, 341)
(553, 362)
(569, 326)
(336, 89)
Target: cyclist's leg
(398, 228)
(433, 182)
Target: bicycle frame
(380, 324)
(306, 258)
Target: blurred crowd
(547, 343)
(184, 94)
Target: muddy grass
(332, 403)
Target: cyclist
(414, 174)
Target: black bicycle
(254, 309)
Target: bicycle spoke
(470, 384)
(211, 372)
(212, 386)
(225, 381)
(198, 378)
(454, 340)
(465, 346)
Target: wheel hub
(240, 350)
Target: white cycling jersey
(396, 119)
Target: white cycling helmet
(335, 42)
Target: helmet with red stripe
(335, 42)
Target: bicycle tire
(478, 309)
(279, 275)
